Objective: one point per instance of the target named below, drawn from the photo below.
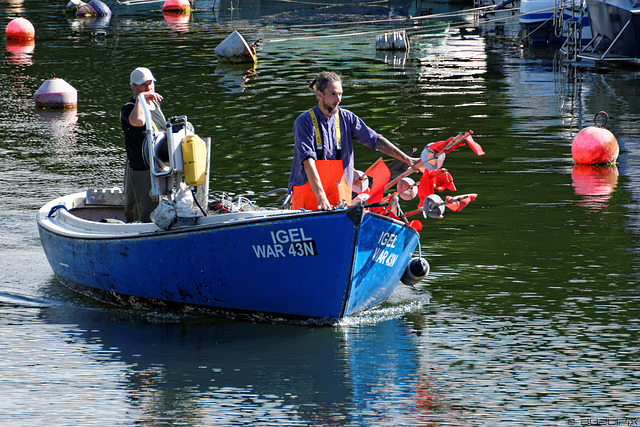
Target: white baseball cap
(141, 75)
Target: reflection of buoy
(20, 29)
(180, 6)
(21, 52)
(595, 145)
(20, 46)
(180, 18)
(594, 180)
(56, 93)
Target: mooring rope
(410, 28)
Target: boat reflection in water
(205, 372)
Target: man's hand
(323, 203)
(151, 96)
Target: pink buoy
(20, 29)
(181, 6)
(595, 145)
(56, 93)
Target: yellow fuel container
(194, 160)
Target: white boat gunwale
(64, 222)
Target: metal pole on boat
(616, 39)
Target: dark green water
(529, 316)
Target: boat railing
(593, 47)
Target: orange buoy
(181, 6)
(595, 145)
(56, 93)
(20, 29)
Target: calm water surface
(529, 316)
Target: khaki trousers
(138, 201)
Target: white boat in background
(616, 28)
(553, 21)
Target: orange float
(20, 29)
(595, 145)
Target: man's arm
(385, 146)
(136, 118)
(316, 184)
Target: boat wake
(10, 300)
(386, 311)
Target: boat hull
(294, 264)
(608, 19)
(537, 21)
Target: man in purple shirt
(327, 132)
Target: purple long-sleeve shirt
(352, 128)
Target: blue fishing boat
(230, 255)
(234, 256)
(300, 264)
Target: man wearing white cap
(138, 200)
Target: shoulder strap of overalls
(316, 128)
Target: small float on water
(230, 255)
(236, 49)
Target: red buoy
(595, 145)
(20, 29)
(181, 6)
(56, 93)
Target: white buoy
(235, 49)
(395, 40)
(407, 188)
(56, 93)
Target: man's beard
(330, 108)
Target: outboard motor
(176, 155)
(417, 269)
